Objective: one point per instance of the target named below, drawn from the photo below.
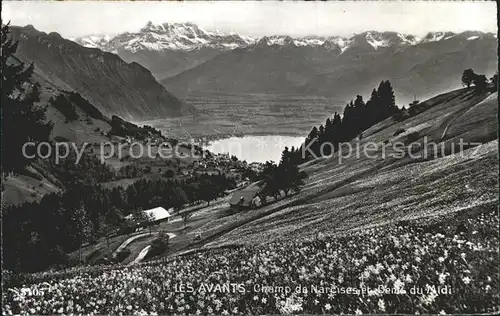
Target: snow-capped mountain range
(189, 37)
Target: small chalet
(158, 214)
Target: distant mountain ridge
(112, 85)
(169, 49)
(188, 37)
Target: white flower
(442, 278)
(358, 312)
(442, 312)
(328, 306)
(466, 280)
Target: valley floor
(222, 116)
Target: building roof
(158, 213)
(248, 194)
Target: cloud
(78, 18)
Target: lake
(255, 148)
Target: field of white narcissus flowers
(443, 266)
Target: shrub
(159, 245)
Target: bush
(159, 245)
(123, 254)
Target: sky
(79, 18)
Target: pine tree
(22, 120)
(285, 156)
(387, 105)
(360, 115)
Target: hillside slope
(115, 87)
(90, 127)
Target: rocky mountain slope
(104, 79)
(355, 193)
(71, 79)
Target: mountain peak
(437, 36)
(188, 36)
(167, 36)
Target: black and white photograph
(249, 158)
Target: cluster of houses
(247, 197)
